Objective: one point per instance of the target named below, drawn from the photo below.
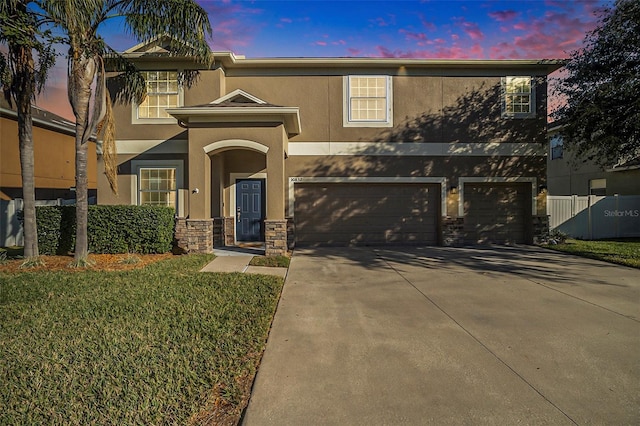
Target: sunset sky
(478, 29)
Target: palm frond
(109, 153)
(184, 21)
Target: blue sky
(475, 29)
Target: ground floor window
(158, 186)
(598, 187)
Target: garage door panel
(496, 214)
(366, 214)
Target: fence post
(616, 217)
(590, 221)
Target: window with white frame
(557, 147)
(163, 91)
(368, 101)
(518, 97)
(158, 186)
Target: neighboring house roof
(41, 118)
(239, 106)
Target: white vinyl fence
(11, 232)
(593, 217)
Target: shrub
(111, 229)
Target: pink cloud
(552, 36)
(472, 30)
(286, 20)
(453, 52)
(231, 25)
(413, 36)
(320, 43)
(427, 24)
(503, 15)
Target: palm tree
(22, 76)
(183, 21)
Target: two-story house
(337, 151)
(568, 177)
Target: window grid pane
(158, 186)
(162, 93)
(368, 98)
(518, 95)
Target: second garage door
(366, 214)
(497, 213)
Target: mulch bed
(101, 262)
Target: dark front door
(250, 208)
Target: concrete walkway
(451, 336)
(236, 259)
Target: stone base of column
(452, 231)
(194, 235)
(540, 229)
(218, 232)
(229, 229)
(275, 235)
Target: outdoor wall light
(453, 189)
(195, 191)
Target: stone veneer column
(275, 235)
(452, 231)
(229, 236)
(194, 235)
(540, 229)
(218, 231)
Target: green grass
(623, 252)
(273, 261)
(160, 345)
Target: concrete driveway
(451, 336)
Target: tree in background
(183, 21)
(601, 115)
(23, 71)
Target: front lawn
(623, 252)
(160, 345)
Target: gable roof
(238, 96)
(238, 107)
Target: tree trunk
(83, 73)
(25, 85)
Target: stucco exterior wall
(567, 178)
(54, 159)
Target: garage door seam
(475, 338)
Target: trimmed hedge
(111, 229)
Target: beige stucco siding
(54, 159)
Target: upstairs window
(368, 101)
(518, 97)
(557, 148)
(163, 91)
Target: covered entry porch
(236, 172)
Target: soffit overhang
(221, 114)
(230, 61)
